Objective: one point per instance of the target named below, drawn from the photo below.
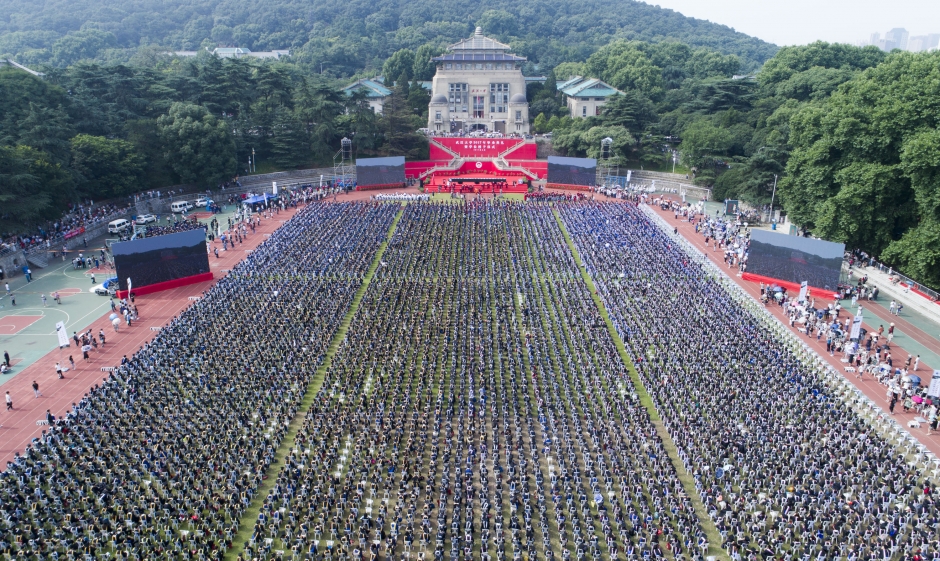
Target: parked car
(145, 219)
(201, 202)
(118, 226)
(181, 206)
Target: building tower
(478, 86)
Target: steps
(503, 165)
(38, 259)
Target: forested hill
(348, 36)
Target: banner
(274, 187)
(803, 288)
(856, 327)
(934, 389)
(62, 334)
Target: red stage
(475, 183)
(506, 158)
(166, 285)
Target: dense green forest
(346, 37)
(853, 134)
(97, 132)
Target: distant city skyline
(900, 38)
(799, 22)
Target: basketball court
(13, 324)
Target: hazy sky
(797, 22)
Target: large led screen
(161, 258)
(572, 171)
(380, 171)
(795, 259)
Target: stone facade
(478, 86)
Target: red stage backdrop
(474, 147)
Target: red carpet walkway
(868, 385)
(156, 310)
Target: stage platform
(487, 183)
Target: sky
(798, 22)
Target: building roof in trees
(373, 89)
(587, 87)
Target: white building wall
(478, 84)
(580, 107)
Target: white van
(118, 226)
(181, 206)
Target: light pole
(772, 195)
(674, 158)
(254, 160)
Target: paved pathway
(870, 386)
(19, 425)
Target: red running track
(870, 386)
(18, 427)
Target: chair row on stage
(481, 187)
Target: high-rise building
(917, 43)
(896, 39)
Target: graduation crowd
(477, 409)
(160, 460)
(786, 469)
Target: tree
(47, 129)
(566, 71)
(540, 124)
(418, 99)
(85, 44)
(920, 163)
(108, 168)
(318, 106)
(32, 188)
(626, 66)
(863, 165)
(631, 111)
(399, 66)
(399, 124)
(498, 22)
(360, 123)
(703, 143)
(792, 60)
(424, 68)
(198, 146)
(917, 253)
